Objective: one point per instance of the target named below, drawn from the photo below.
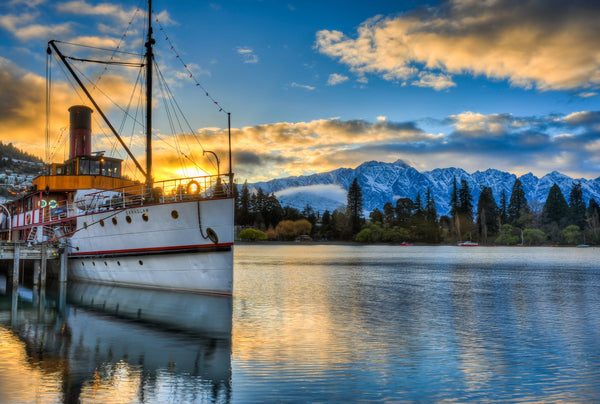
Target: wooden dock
(39, 253)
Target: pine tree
(376, 216)
(430, 209)
(577, 206)
(517, 206)
(487, 214)
(355, 207)
(555, 209)
(503, 208)
(388, 213)
(454, 203)
(418, 204)
(464, 212)
(465, 200)
(404, 211)
(244, 215)
(327, 226)
(593, 219)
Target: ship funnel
(81, 131)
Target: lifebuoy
(28, 218)
(193, 187)
(212, 235)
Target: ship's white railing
(180, 189)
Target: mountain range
(386, 182)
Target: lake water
(321, 323)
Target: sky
(314, 86)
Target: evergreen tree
(454, 203)
(517, 206)
(355, 207)
(244, 214)
(577, 209)
(464, 211)
(327, 228)
(418, 205)
(388, 213)
(593, 219)
(555, 209)
(376, 216)
(273, 211)
(465, 200)
(290, 213)
(487, 214)
(258, 208)
(404, 211)
(309, 214)
(430, 209)
(503, 208)
(432, 228)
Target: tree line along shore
(510, 221)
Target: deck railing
(56, 213)
(180, 189)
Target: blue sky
(314, 86)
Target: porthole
(114, 220)
(128, 218)
(145, 217)
(102, 223)
(141, 262)
(174, 214)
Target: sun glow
(189, 172)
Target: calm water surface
(322, 324)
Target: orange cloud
(531, 43)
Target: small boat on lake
(468, 244)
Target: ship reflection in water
(93, 343)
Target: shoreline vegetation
(400, 245)
(511, 222)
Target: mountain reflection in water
(94, 343)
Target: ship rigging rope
(187, 68)
(177, 112)
(104, 62)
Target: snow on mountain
(387, 182)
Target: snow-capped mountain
(387, 182)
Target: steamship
(175, 234)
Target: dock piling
(63, 266)
(44, 266)
(36, 272)
(16, 266)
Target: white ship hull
(177, 246)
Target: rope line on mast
(186, 67)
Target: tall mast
(149, 60)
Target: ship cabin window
(89, 167)
(111, 168)
(93, 165)
(57, 169)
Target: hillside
(17, 160)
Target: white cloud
(335, 79)
(436, 81)
(304, 86)
(248, 55)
